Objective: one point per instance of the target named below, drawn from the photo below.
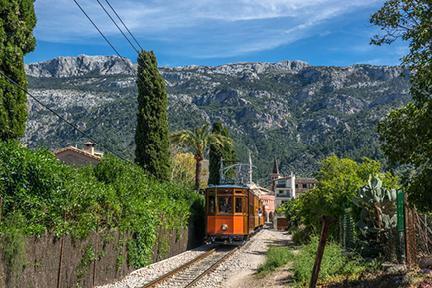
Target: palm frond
(200, 139)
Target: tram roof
(257, 190)
(228, 186)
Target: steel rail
(172, 273)
(165, 277)
(212, 267)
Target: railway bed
(188, 274)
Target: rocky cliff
(290, 110)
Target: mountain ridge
(104, 65)
(290, 110)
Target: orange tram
(233, 213)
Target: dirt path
(247, 279)
(239, 270)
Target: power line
(124, 25)
(115, 23)
(58, 115)
(97, 28)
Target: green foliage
(406, 133)
(334, 263)
(301, 234)
(339, 180)
(275, 257)
(144, 200)
(16, 39)
(87, 258)
(216, 153)
(52, 197)
(152, 136)
(12, 244)
(410, 21)
(406, 136)
(292, 210)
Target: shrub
(301, 234)
(334, 263)
(52, 197)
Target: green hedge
(52, 197)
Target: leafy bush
(52, 197)
(339, 179)
(301, 234)
(335, 263)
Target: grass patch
(335, 265)
(276, 257)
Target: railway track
(188, 274)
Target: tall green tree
(17, 20)
(406, 133)
(152, 135)
(217, 152)
(339, 180)
(199, 141)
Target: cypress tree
(217, 153)
(152, 135)
(17, 20)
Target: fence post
(410, 236)
(348, 229)
(400, 212)
(326, 221)
(60, 262)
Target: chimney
(89, 147)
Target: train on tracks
(233, 213)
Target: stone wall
(66, 263)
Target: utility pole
(250, 167)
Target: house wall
(286, 188)
(269, 204)
(77, 159)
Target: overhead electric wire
(124, 25)
(115, 23)
(59, 116)
(97, 28)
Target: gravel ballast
(144, 275)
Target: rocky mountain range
(288, 110)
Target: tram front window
(211, 204)
(239, 204)
(225, 204)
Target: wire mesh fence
(423, 232)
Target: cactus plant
(377, 215)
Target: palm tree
(199, 140)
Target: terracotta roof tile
(77, 150)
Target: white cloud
(243, 26)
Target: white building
(286, 188)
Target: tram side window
(239, 204)
(225, 204)
(211, 204)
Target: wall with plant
(40, 195)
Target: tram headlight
(224, 227)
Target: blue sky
(214, 32)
